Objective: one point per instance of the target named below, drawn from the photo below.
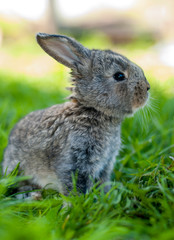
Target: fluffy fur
(81, 136)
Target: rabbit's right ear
(64, 49)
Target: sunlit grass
(140, 204)
(141, 200)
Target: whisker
(154, 106)
(145, 114)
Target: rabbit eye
(119, 76)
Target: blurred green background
(141, 202)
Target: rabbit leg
(105, 178)
(29, 195)
(106, 182)
(26, 191)
(82, 181)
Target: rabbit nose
(148, 87)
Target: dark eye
(119, 76)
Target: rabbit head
(104, 80)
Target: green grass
(140, 204)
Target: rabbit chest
(94, 152)
(91, 144)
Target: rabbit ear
(64, 49)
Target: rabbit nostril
(148, 87)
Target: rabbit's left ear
(64, 49)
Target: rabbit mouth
(139, 102)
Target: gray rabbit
(82, 136)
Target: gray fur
(81, 136)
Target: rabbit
(82, 136)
